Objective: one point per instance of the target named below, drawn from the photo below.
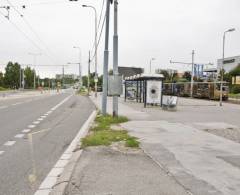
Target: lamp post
(80, 68)
(152, 59)
(34, 64)
(95, 55)
(222, 67)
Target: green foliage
(91, 79)
(236, 71)
(105, 122)
(29, 77)
(1, 79)
(102, 134)
(187, 76)
(235, 89)
(132, 142)
(12, 75)
(105, 137)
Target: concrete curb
(58, 178)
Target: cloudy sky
(163, 29)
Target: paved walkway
(202, 162)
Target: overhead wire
(99, 22)
(33, 31)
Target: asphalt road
(53, 120)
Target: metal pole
(34, 63)
(115, 55)
(23, 84)
(80, 67)
(151, 66)
(20, 78)
(192, 77)
(89, 63)
(106, 58)
(221, 71)
(96, 73)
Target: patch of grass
(105, 122)
(132, 142)
(102, 134)
(232, 95)
(3, 89)
(105, 138)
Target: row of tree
(11, 77)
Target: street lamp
(34, 64)
(152, 59)
(96, 75)
(222, 68)
(80, 68)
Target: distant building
(67, 76)
(129, 71)
(229, 63)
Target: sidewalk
(184, 143)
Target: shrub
(235, 89)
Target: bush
(235, 89)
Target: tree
(167, 76)
(29, 77)
(1, 79)
(12, 75)
(187, 75)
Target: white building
(229, 63)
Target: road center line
(19, 136)
(26, 130)
(9, 143)
(31, 126)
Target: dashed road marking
(43, 116)
(18, 103)
(2, 107)
(40, 119)
(19, 136)
(26, 130)
(9, 143)
(31, 126)
(36, 122)
(1, 152)
(46, 114)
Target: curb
(58, 178)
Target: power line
(100, 36)
(99, 22)
(33, 31)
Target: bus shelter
(145, 88)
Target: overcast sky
(163, 29)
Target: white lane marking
(26, 130)
(51, 179)
(9, 143)
(18, 103)
(31, 126)
(49, 112)
(40, 119)
(36, 122)
(43, 116)
(1, 152)
(19, 136)
(2, 107)
(46, 114)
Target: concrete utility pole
(89, 64)
(96, 46)
(192, 77)
(115, 55)
(34, 64)
(106, 60)
(20, 77)
(222, 67)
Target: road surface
(53, 120)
